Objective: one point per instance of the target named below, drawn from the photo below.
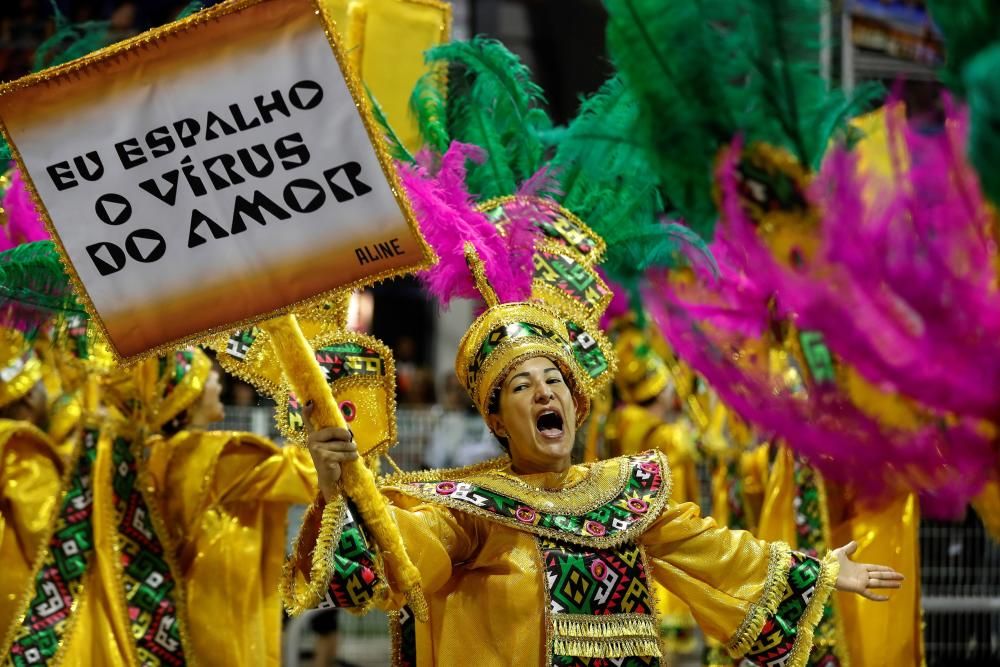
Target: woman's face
(537, 415)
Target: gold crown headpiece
(508, 333)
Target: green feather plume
(703, 71)
(606, 179)
(396, 148)
(71, 40)
(491, 102)
(968, 27)
(983, 89)
(192, 7)
(34, 287)
(791, 104)
(428, 104)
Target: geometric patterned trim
(786, 638)
(556, 224)
(147, 581)
(811, 529)
(45, 626)
(621, 510)
(355, 583)
(598, 605)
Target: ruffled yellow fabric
(778, 566)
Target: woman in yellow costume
(224, 498)
(530, 560)
(144, 536)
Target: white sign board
(211, 173)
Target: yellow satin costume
(31, 472)
(224, 499)
(485, 578)
(873, 633)
(645, 376)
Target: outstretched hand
(863, 578)
(329, 447)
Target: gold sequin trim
(829, 570)
(778, 565)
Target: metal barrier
(960, 571)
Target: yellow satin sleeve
(725, 576)
(30, 484)
(224, 498)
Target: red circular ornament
(446, 488)
(525, 515)
(637, 505)
(348, 410)
(594, 528)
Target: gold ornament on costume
(362, 376)
(20, 368)
(248, 354)
(509, 333)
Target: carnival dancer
(531, 560)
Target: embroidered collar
(615, 501)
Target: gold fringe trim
(779, 563)
(609, 648)
(610, 636)
(301, 597)
(829, 570)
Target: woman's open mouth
(550, 424)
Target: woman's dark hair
(493, 408)
(176, 425)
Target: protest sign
(211, 173)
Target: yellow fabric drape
(886, 534)
(883, 634)
(483, 580)
(31, 472)
(224, 498)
